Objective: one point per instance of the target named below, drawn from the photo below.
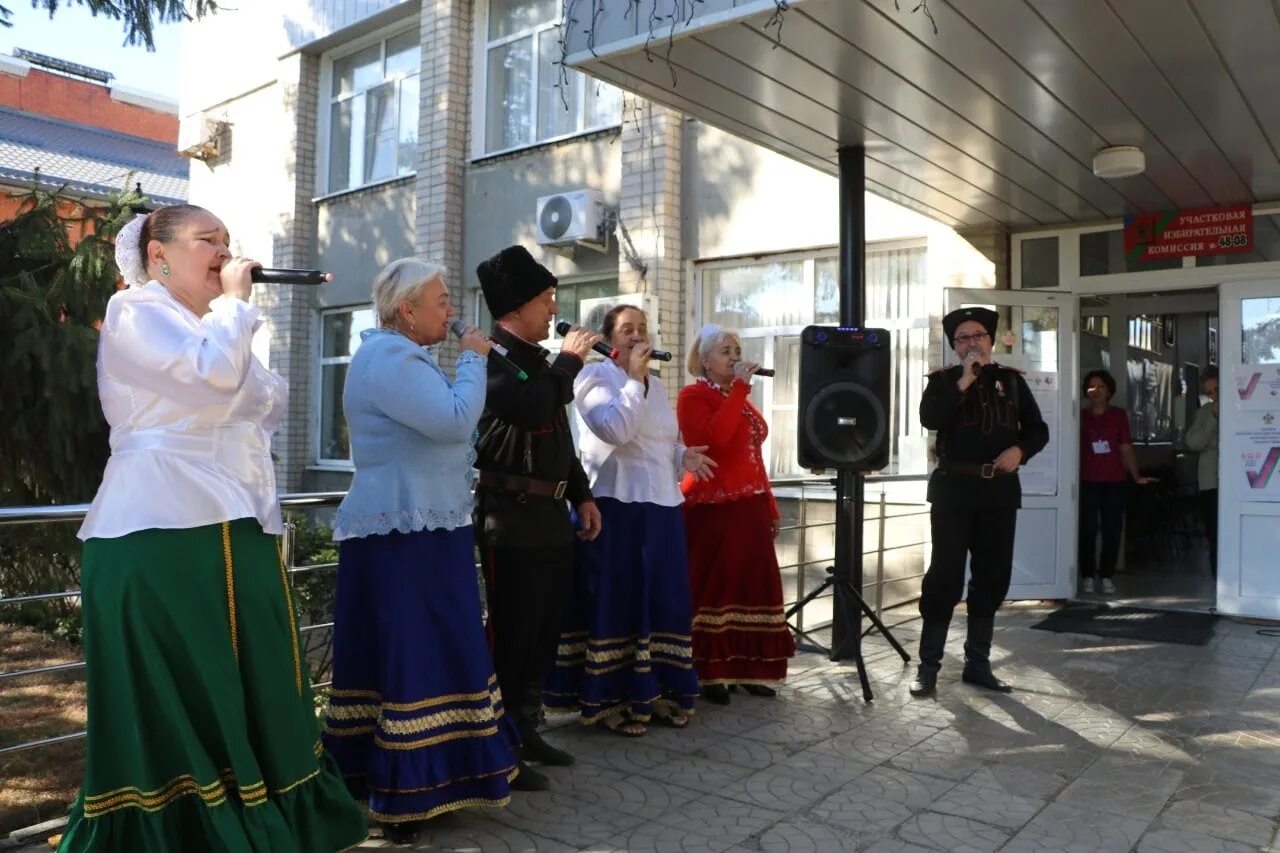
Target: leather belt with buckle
(986, 470)
(524, 485)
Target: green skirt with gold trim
(202, 728)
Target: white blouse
(191, 411)
(629, 440)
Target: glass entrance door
(1036, 336)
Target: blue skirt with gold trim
(415, 716)
(626, 646)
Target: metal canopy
(993, 120)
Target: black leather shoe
(926, 683)
(760, 690)
(980, 675)
(534, 748)
(401, 833)
(716, 693)
(528, 779)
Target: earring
(164, 270)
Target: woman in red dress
(740, 635)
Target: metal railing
(816, 490)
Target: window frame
(326, 101)
(481, 45)
(319, 462)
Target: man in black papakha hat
(529, 475)
(988, 425)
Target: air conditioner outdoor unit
(199, 135)
(571, 218)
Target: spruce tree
(139, 17)
(57, 271)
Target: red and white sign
(1182, 233)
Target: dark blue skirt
(415, 715)
(626, 642)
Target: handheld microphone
(497, 351)
(262, 275)
(766, 372)
(564, 327)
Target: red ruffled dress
(739, 633)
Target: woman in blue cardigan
(415, 715)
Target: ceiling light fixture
(1119, 161)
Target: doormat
(1131, 623)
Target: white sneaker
(1086, 586)
(1108, 588)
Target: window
(525, 101)
(770, 302)
(373, 113)
(339, 339)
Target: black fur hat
(988, 318)
(511, 278)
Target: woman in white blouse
(625, 653)
(202, 729)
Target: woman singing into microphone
(739, 633)
(415, 717)
(202, 727)
(625, 655)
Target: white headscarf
(133, 268)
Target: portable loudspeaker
(844, 398)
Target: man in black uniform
(529, 474)
(988, 425)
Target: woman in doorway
(1203, 439)
(1106, 454)
(740, 635)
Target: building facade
(351, 134)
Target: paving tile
(774, 791)
(612, 790)
(951, 834)
(984, 798)
(798, 835)
(1061, 827)
(948, 754)
(700, 774)
(477, 835)
(1219, 821)
(745, 752)
(1125, 786)
(1183, 841)
(564, 816)
(1204, 784)
(864, 815)
(879, 740)
(821, 764)
(722, 819)
(625, 755)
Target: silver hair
(402, 280)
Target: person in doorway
(626, 656)
(415, 716)
(1203, 439)
(529, 476)
(1106, 459)
(202, 727)
(740, 634)
(988, 425)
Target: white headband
(129, 254)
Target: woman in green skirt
(202, 729)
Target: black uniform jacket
(524, 431)
(993, 414)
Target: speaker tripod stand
(849, 606)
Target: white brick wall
(443, 122)
(649, 207)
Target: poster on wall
(1257, 387)
(1258, 454)
(1040, 475)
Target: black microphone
(765, 371)
(564, 327)
(262, 275)
(497, 351)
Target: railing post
(801, 562)
(880, 556)
(287, 548)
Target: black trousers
(1209, 515)
(528, 589)
(960, 533)
(1101, 507)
